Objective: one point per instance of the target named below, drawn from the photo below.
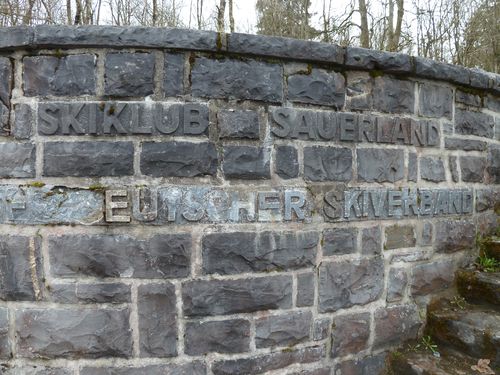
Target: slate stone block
(321, 328)
(397, 282)
(16, 36)
(73, 333)
(339, 241)
(327, 163)
(379, 165)
(464, 144)
(348, 283)
(317, 87)
(5, 80)
(129, 74)
(89, 293)
(494, 164)
(319, 371)
(305, 289)
(237, 79)
(287, 162)
(223, 336)
(238, 124)
(283, 330)
(37, 370)
(426, 235)
(371, 241)
(454, 235)
(412, 167)
(432, 169)
(5, 351)
(23, 121)
(358, 90)
(350, 334)
(178, 159)
(486, 199)
(435, 100)
(441, 71)
(4, 120)
(222, 297)
(363, 58)
(395, 325)
(173, 83)
(190, 368)
(472, 168)
(493, 103)
(160, 256)
(393, 95)
(246, 162)
(474, 123)
(17, 160)
(71, 75)
(399, 236)
(431, 277)
(88, 159)
(452, 161)
(370, 365)
(157, 314)
(468, 99)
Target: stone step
(492, 247)
(479, 287)
(474, 330)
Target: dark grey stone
(435, 100)
(17, 160)
(190, 368)
(317, 87)
(37, 370)
(157, 314)
(5, 352)
(370, 365)
(441, 71)
(160, 256)
(474, 123)
(178, 159)
(350, 334)
(73, 333)
(468, 99)
(432, 169)
(5, 80)
(464, 144)
(338, 241)
(327, 163)
(88, 159)
(454, 235)
(222, 297)
(321, 328)
(472, 168)
(173, 82)
(426, 235)
(393, 95)
(16, 36)
(89, 293)
(16, 271)
(23, 121)
(4, 120)
(129, 74)
(71, 75)
(399, 236)
(453, 162)
(239, 124)
(267, 362)
(237, 79)
(480, 78)
(412, 167)
(363, 58)
(395, 325)
(486, 199)
(359, 88)
(319, 371)
(379, 165)
(305, 289)
(223, 336)
(239, 252)
(283, 330)
(371, 241)
(494, 164)
(396, 284)
(431, 277)
(348, 283)
(493, 103)
(246, 162)
(287, 162)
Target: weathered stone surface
(4, 120)
(464, 144)
(479, 287)
(17, 160)
(338, 241)
(431, 277)
(486, 199)
(370, 365)
(379, 165)
(319, 371)
(268, 362)
(305, 289)
(4, 334)
(393, 95)
(494, 164)
(129, 74)
(238, 124)
(71, 75)
(317, 87)
(453, 162)
(173, 83)
(287, 162)
(321, 328)
(160, 256)
(347, 283)
(493, 103)
(157, 314)
(178, 159)
(350, 334)
(283, 330)
(73, 333)
(398, 236)
(16, 36)
(435, 100)
(237, 79)
(246, 162)
(23, 121)
(359, 88)
(412, 167)
(472, 168)
(239, 252)
(474, 123)
(222, 297)
(397, 282)
(5, 80)
(425, 238)
(452, 236)
(363, 58)
(88, 159)
(441, 71)
(89, 293)
(190, 368)
(224, 336)
(395, 325)
(327, 163)
(371, 241)
(432, 169)
(36, 370)
(468, 98)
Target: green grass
(487, 264)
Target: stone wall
(183, 202)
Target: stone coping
(21, 37)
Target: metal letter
(394, 199)
(295, 206)
(110, 206)
(351, 201)
(426, 202)
(442, 202)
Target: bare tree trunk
(220, 16)
(69, 17)
(231, 16)
(365, 34)
(399, 22)
(29, 13)
(155, 12)
(78, 12)
(199, 13)
(389, 34)
(98, 17)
